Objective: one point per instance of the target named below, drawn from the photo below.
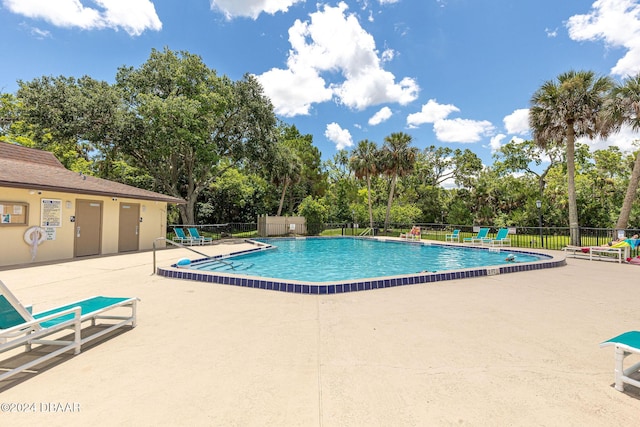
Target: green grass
(517, 240)
(529, 241)
(245, 234)
(336, 232)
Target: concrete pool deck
(511, 349)
(412, 276)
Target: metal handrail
(172, 243)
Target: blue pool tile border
(332, 288)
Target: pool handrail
(174, 244)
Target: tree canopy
(175, 126)
(186, 125)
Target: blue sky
(457, 73)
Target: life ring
(34, 239)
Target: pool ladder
(368, 230)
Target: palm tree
(564, 110)
(624, 108)
(398, 159)
(286, 170)
(364, 163)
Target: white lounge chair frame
(623, 350)
(411, 234)
(620, 253)
(184, 239)
(32, 330)
(455, 236)
(500, 241)
(480, 237)
(196, 237)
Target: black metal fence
(553, 238)
(220, 231)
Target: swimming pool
(333, 259)
(416, 261)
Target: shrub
(315, 213)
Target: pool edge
(328, 288)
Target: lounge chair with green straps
(19, 327)
(501, 239)
(480, 237)
(182, 238)
(196, 237)
(625, 344)
(455, 236)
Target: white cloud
(388, 55)
(337, 135)
(381, 116)
(624, 140)
(334, 43)
(133, 16)
(617, 23)
(41, 34)
(431, 112)
(251, 8)
(551, 33)
(449, 184)
(450, 130)
(517, 122)
(375, 87)
(496, 142)
(383, 2)
(36, 32)
(462, 130)
(293, 92)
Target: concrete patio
(511, 349)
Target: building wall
(14, 250)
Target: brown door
(88, 227)
(129, 228)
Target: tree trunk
(284, 191)
(369, 199)
(541, 184)
(187, 211)
(632, 188)
(574, 230)
(391, 190)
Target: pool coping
(337, 287)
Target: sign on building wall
(50, 233)
(51, 213)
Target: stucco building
(49, 213)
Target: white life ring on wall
(35, 235)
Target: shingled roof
(22, 167)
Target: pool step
(214, 265)
(210, 266)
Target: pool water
(336, 259)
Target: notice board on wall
(13, 213)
